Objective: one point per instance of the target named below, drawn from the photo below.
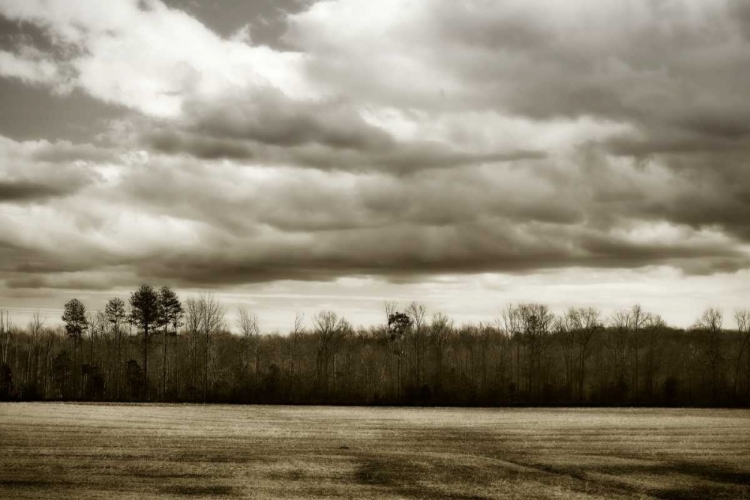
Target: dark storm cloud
(24, 190)
(316, 227)
(65, 151)
(394, 157)
(412, 252)
(270, 127)
(100, 279)
(206, 148)
(267, 117)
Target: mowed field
(87, 451)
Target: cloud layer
(382, 139)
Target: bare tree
(295, 337)
(35, 329)
(330, 330)
(565, 332)
(583, 324)
(206, 316)
(617, 344)
(6, 325)
(637, 321)
(510, 322)
(653, 356)
(743, 327)
(390, 307)
(247, 322)
(6, 374)
(529, 325)
(417, 335)
(440, 330)
(710, 324)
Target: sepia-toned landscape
(92, 451)
(387, 249)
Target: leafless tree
(6, 326)
(247, 323)
(637, 321)
(206, 316)
(583, 323)
(331, 331)
(417, 337)
(294, 337)
(35, 329)
(742, 317)
(441, 328)
(710, 324)
(617, 344)
(510, 321)
(530, 325)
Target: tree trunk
(118, 361)
(164, 364)
(145, 361)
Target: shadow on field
(415, 480)
(702, 471)
(24, 484)
(199, 491)
(165, 475)
(727, 483)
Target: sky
(293, 156)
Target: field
(87, 451)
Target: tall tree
(74, 316)
(247, 322)
(418, 338)
(330, 330)
(743, 327)
(440, 331)
(710, 324)
(205, 316)
(6, 325)
(170, 313)
(637, 321)
(144, 304)
(35, 329)
(584, 323)
(115, 313)
(399, 325)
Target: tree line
(157, 348)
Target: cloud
(269, 127)
(29, 69)
(23, 190)
(397, 141)
(176, 56)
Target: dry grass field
(88, 451)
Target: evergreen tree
(145, 313)
(75, 320)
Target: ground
(91, 451)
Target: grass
(88, 451)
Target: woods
(157, 348)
